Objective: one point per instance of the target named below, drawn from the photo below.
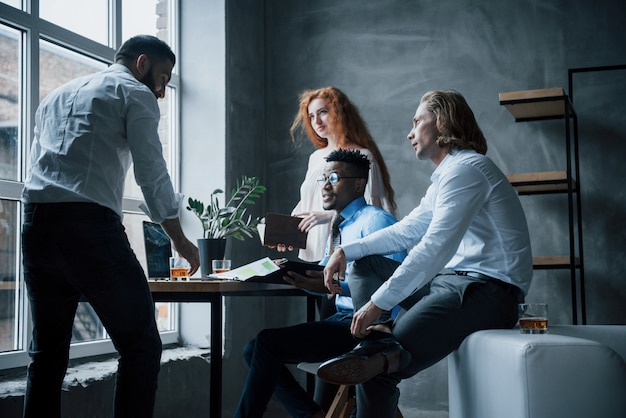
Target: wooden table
(213, 292)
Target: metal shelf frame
(570, 81)
(551, 104)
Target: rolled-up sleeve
(142, 119)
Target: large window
(41, 47)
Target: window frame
(34, 29)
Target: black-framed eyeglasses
(333, 178)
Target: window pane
(14, 3)
(146, 17)
(87, 325)
(10, 97)
(87, 18)
(166, 124)
(9, 289)
(60, 65)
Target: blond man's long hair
(455, 121)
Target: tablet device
(283, 229)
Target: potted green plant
(231, 220)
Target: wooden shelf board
(7, 285)
(540, 176)
(540, 182)
(553, 92)
(542, 189)
(534, 104)
(553, 262)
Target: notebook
(158, 251)
(282, 229)
(267, 271)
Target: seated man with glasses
(342, 187)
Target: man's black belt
(508, 286)
(474, 274)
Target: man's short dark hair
(359, 162)
(153, 47)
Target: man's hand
(363, 318)
(334, 271)
(182, 245)
(313, 281)
(187, 250)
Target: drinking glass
(179, 269)
(221, 266)
(533, 318)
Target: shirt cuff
(352, 251)
(379, 299)
(162, 213)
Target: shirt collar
(124, 69)
(120, 67)
(352, 208)
(449, 159)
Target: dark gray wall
(386, 54)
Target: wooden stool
(344, 402)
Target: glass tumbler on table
(179, 269)
(220, 266)
(533, 318)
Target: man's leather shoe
(368, 359)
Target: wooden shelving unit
(546, 104)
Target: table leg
(310, 316)
(216, 358)
(216, 353)
(310, 308)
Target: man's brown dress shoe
(368, 359)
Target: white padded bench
(572, 372)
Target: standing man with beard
(74, 245)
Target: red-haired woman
(331, 121)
